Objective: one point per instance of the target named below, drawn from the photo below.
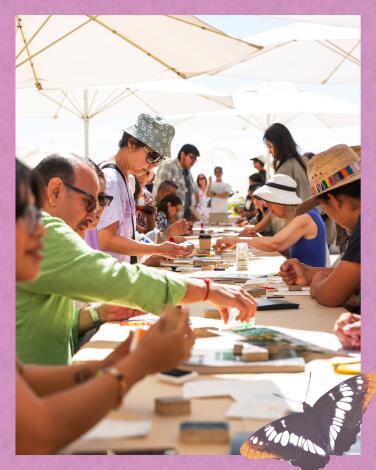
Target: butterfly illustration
(308, 439)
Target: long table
(139, 402)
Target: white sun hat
(280, 189)
(260, 158)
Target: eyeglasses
(154, 157)
(104, 200)
(192, 157)
(91, 201)
(32, 216)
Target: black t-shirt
(352, 252)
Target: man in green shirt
(71, 270)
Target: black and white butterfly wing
(291, 438)
(339, 412)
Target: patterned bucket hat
(154, 132)
(329, 170)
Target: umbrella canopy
(351, 21)
(303, 52)
(68, 51)
(127, 102)
(259, 106)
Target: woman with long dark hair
(287, 158)
(288, 161)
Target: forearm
(45, 380)
(265, 244)
(62, 417)
(196, 291)
(264, 223)
(127, 246)
(311, 272)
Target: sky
(230, 149)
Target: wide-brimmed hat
(261, 158)
(280, 189)
(154, 132)
(329, 170)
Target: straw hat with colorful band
(280, 189)
(329, 170)
(156, 133)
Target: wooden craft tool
(295, 288)
(253, 353)
(172, 406)
(204, 432)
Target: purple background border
(9, 8)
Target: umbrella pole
(86, 125)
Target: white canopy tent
(68, 51)
(164, 97)
(303, 52)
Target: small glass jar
(242, 257)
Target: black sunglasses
(91, 201)
(104, 200)
(153, 157)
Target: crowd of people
(88, 237)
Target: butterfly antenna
(309, 381)
(284, 398)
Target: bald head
(71, 189)
(63, 166)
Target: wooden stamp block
(212, 313)
(256, 291)
(253, 353)
(295, 288)
(208, 432)
(172, 406)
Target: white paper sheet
(113, 429)
(256, 411)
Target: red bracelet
(171, 239)
(207, 282)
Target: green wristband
(93, 311)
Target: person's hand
(154, 261)
(223, 244)
(248, 231)
(160, 350)
(347, 329)
(293, 272)
(107, 312)
(242, 222)
(225, 297)
(180, 227)
(173, 250)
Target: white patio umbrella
(68, 51)
(164, 97)
(351, 21)
(257, 107)
(303, 52)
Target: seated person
(57, 404)
(304, 235)
(71, 270)
(335, 181)
(166, 187)
(145, 204)
(168, 210)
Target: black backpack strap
(133, 259)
